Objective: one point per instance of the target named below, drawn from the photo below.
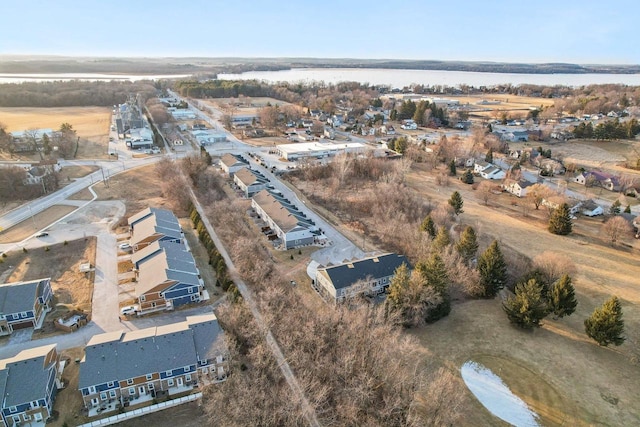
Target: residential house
(167, 277)
(284, 222)
(549, 167)
(600, 179)
(29, 383)
(409, 125)
(387, 130)
(29, 140)
(121, 369)
(480, 165)
(24, 304)
(231, 163)
(249, 181)
(153, 224)
(369, 276)
(518, 188)
(590, 208)
(492, 172)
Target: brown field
(83, 194)
(136, 187)
(246, 104)
(69, 173)
(27, 227)
(557, 369)
(90, 123)
(515, 106)
(61, 262)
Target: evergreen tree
(605, 325)
(398, 286)
(560, 221)
(562, 298)
(493, 270)
(456, 203)
(434, 271)
(467, 177)
(467, 246)
(428, 226)
(442, 240)
(452, 168)
(46, 144)
(615, 208)
(627, 210)
(489, 157)
(527, 307)
(393, 115)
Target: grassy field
(90, 123)
(557, 368)
(39, 221)
(513, 105)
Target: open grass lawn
(26, 228)
(563, 374)
(90, 123)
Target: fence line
(114, 419)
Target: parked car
(43, 234)
(124, 246)
(129, 310)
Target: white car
(124, 246)
(129, 310)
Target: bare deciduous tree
(485, 191)
(554, 265)
(616, 228)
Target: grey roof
(24, 377)
(161, 214)
(20, 296)
(156, 221)
(207, 335)
(173, 250)
(345, 275)
(145, 351)
(162, 268)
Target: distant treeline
(237, 65)
(72, 93)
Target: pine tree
(562, 298)
(527, 307)
(435, 273)
(467, 246)
(493, 270)
(452, 168)
(615, 208)
(605, 325)
(560, 221)
(627, 210)
(442, 240)
(467, 177)
(428, 226)
(398, 286)
(456, 203)
(489, 157)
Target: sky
(584, 32)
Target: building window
(23, 314)
(170, 382)
(112, 393)
(194, 297)
(142, 298)
(103, 396)
(13, 409)
(153, 305)
(187, 377)
(187, 368)
(129, 381)
(149, 376)
(35, 404)
(92, 389)
(150, 386)
(191, 290)
(110, 384)
(168, 373)
(26, 417)
(132, 391)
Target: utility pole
(106, 183)
(32, 218)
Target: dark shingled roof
(345, 275)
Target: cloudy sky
(586, 32)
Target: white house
(492, 172)
(518, 189)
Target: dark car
(43, 234)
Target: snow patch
(494, 395)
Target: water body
(401, 78)
(89, 77)
(494, 395)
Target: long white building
(318, 149)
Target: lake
(89, 77)
(401, 78)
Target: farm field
(90, 123)
(515, 106)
